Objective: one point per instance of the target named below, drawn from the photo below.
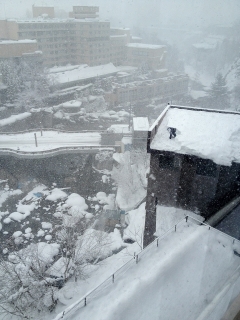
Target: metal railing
(50, 129)
(57, 150)
(135, 259)
(111, 279)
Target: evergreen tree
(218, 94)
(27, 83)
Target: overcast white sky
(143, 12)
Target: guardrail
(111, 279)
(50, 129)
(135, 259)
(57, 150)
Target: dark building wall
(187, 182)
(162, 189)
(203, 191)
(164, 177)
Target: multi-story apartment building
(64, 41)
(165, 88)
(16, 49)
(76, 40)
(92, 40)
(119, 38)
(83, 12)
(81, 39)
(153, 56)
(117, 50)
(43, 11)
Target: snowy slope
(191, 275)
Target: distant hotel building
(14, 48)
(81, 39)
(151, 55)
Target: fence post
(157, 242)
(137, 258)
(35, 136)
(85, 302)
(113, 278)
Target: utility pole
(130, 113)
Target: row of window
(43, 25)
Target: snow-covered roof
(127, 140)
(144, 46)
(126, 68)
(82, 72)
(72, 104)
(42, 19)
(112, 28)
(140, 124)
(118, 36)
(208, 134)
(17, 41)
(136, 38)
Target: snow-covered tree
(27, 83)
(218, 93)
(25, 287)
(31, 278)
(11, 78)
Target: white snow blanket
(193, 274)
(206, 134)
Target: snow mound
(46, 225)
(76, 200)
(56, 194)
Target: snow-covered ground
(49, 140)
(14, 118)
(192, 274)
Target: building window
(166, 161)
(206, 168)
